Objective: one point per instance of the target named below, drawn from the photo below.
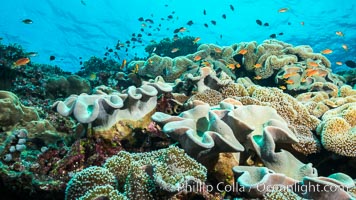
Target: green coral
(138, 174)
(87, 180)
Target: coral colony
(192, 120)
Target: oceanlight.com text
(262, 188)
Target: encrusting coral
(337, 130)
(139, 175)
(88, 179)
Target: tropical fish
(282, 87)
(339, 33)
(217, 50)
(174, 50)
(350, 63)
(259, 22)
(27, 21)
(197, 39)
(123, 64)
(345, 47)
(231, 66)
(286, 76)
(273, 35)
(326, 51)
(313, 64)
(21, 62)
(182, 29)
(140, 19)
(197, 58)
(189, 23)
(257, 77)
(302, 23)
(206, 63)
(206, 25)
(339, 63)
(266, 24)
(257, 65)
(31, 54)
(311, 72)
(204, 12)
(135, 70)
(52, 58)
(242, 51)
(223, 16)
(232, 7)
(282, 10)
(213, 22)
(290, 81)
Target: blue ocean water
(70, 29)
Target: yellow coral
(338, 132)
(233, 90)
(212, 97)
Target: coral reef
(57, 87)
(139, 175)
(115, 115)
(337, 130)
(184, 46)
(258, 182)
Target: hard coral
(10, 103)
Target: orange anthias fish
(326, 51)
(174, 50)
(242, 51)
(217, 50)
(21, 62)
(313, 64)
(257, 77)
(123, 64)
(289, 75)
(135, 70)
(282, 87)
(206, 64)
(257, 65)
(197, 58)
(339, 33)
(312, 72)
(339, 63)
(345, 47)
(282, 10)
(290, 81)
(196, 40)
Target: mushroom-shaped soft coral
(257, 181)
(86, 108)
(201, 131)
(255, 117)
(282, 161)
